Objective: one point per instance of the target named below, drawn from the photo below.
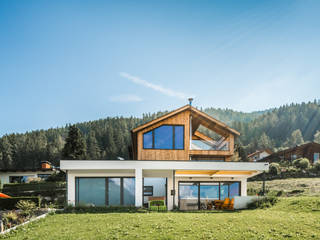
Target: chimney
(190, 101)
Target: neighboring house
(258, 155)
(309, 150)
(27, 174)
(173, 160)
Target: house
(26, 174)
(258, 155)
(183, 157)
(309, 150)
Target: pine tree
(295, 139)
(317, 137)
(264, 142)
(75, 147)
(7, 152)
(93, 149)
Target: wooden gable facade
(191, 119)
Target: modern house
(258, 155)
(183, 157)
(26, 174)
(309, 150)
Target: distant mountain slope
(110, 137)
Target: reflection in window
(224, 190)
(91, 191)
(114, 191)
(129, 191)
(234, 190)
(209, 191)
(164, 137)
(188, 191)
(178, 137)
(147, 140)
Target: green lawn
(294, 218)
(291, 186)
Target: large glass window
(148, 140)
(91, 191)
(224, 190)
(234, 189)
(178, 137)
(129, 191)
(102, 191)
(114, 191)
(164, 137)
(209, 191)
(193, 195)
(188, 196)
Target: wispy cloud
(125, 98)
(158, 88)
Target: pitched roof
(185, 108)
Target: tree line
(109, 138)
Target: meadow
(294, 218)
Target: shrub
(27, 208)
(274, 169)
(302, 163)
(10, 219)
(10, 203)
(264, 202)
(108, 209)
(157, 203)
(316, 166)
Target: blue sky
(71, 61)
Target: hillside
(109, 138)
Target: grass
(291, 187)
(294, 218)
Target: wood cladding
(183, 116)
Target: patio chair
(225, 204)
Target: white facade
(226, 171)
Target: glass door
(189, 196)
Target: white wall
(146, 173)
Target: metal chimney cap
(190, 101)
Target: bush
(27, 208)
(10, 203)
(264, 202)
(302, 163)
(157, 203)
(316, 166)
(10, 219)
(109, 209)
(274, 169)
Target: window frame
(173, 138)
(106, 189)
(199, 183)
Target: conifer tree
(75, 147)
(317, 137)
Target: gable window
(164, 137)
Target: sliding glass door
(188, 196)
(102, 191)
(200, 195)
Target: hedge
(10, 203)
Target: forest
(109, 138)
